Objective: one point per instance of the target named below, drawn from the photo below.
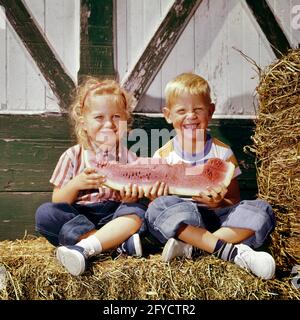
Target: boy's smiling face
(190, 115)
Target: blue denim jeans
(166, 214)
(63, 224)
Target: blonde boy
(215, 221)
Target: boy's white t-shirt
(214, 148)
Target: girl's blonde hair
(186, 83)
(92, 86)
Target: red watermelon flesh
(182, 179)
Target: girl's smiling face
(190, 114)
(105, 120)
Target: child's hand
(157, 190)
(131, 193)
(212, 197)
(88, 179)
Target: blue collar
(193, 157)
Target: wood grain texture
(36, 44)
(160, 45)
(17, 213)
(270, 27)
(96, 38)
(206, 46)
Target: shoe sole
(137, 245)
(71, 260)
(165, 256)
(267, 275)
(264, 273)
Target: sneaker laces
(241, 259)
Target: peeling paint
(159, 47)
(9, 140)
(178, 7)
(171, 35)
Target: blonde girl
(85, 218)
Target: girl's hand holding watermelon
(131, 193)
(88, 179)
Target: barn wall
(206, 47)
(23, 88)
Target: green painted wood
(26, 165)
(96, 38)
(41, 127)
(160, 46)
(37, 45)
(270, 26)
(17, 211)
(31, 145)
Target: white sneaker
(72, 258)
(175, 248)
(259, 263)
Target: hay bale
(277, 150)
(33, 273)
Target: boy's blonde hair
(186, 83)
(92, 86)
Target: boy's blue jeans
(166, 214)
(63, 224)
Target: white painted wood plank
(16, 72)
(3, 74)
(153, 16)
(218, 26)
(35, 87)
(61, 27)
(218, 53)
(135, 39)
(235, 69)
(203, 41)
(137, 20)
(283, 11)
(295, 23)
(142, 20)
(62, 32)
(35, 83)
(121, 35)
(251, 48)
(37, 9)
(181, 58)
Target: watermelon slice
(182, 179)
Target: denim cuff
(169, 221)
(71, 231)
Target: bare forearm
(68, 193)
